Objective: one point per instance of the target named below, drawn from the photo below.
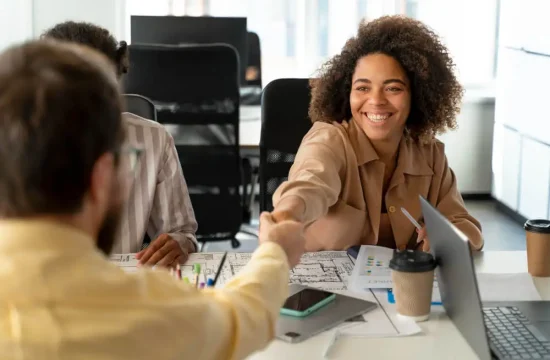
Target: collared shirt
(159, 200)
(339, 176)
(60, 298)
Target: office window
(411, 8)
(323, 27)
(361, 10)
(290, 20)
(468, 28)
(297, 36)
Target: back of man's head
(60, 111)
(94, 36)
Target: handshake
(289, 234)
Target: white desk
(439, 340)
(250, 126)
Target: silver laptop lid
(457, 280)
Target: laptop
(494, 330)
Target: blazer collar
(411, 159)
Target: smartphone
(306, 302)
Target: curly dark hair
(95, 37)
(435, 92)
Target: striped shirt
(159, 200)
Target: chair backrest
(141, 106)
(196, 92)
(285, 121)
(254, 58)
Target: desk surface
(250, 126)
(439, 340)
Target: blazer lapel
(412, 177)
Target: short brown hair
(435, 91)
(95, 37)
(60, 111)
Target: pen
(197, 271)
(219, 269)
(178, 271)
(411, 219)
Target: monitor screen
(175, 30)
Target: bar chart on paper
(372, 268)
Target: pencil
(219, 269)
(411, 219)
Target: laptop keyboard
(513, 335)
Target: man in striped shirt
(159, 203)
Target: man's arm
(232, 322)
(228, 323)
(172, 217)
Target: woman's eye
(362, 88)
(394, 89)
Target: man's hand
(280, 216)
(423, 238)
(287, 233)
(164, 251)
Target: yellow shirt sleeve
(227, 323)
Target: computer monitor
(175, 30)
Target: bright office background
(298, 35)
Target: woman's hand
(283, 215)
(422, 241)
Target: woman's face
(380, 97)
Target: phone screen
(303, 300)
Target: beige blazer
(339, 176)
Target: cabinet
(537, 31)
(506, 165)
(510, 85)
(513, 23)
(522, 24)
(521, 143)
(534, 180)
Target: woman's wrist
(291, 208)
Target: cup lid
(412, 261)
(538, 226)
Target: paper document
(507, 287)
(371, 268)
(377, 323)
(127, 262)
(327, 270)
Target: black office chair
(285, 122)
(197, 88)
(141, 106)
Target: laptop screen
(457, 280)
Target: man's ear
(103, 175)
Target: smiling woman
(376, 108)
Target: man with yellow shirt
(62, 166)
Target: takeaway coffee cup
(413, 277)
(537, 234)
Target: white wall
(22, 20)
(469, 148)
(109, 14)
(15, 22)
